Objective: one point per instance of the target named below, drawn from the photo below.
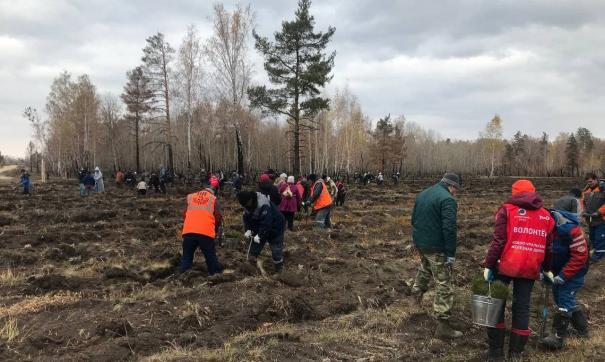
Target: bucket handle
(489, 290)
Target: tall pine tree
(297, 64)
(572, 151)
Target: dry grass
(38, 303)
(8, 278)
(9, 329)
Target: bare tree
(157, 57)
(39, 127)
(227, 52)
(110, 116)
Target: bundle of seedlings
(497, 289)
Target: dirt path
(6, 169)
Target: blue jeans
(597, 241)
(322, 219)
(83, 191)
(193, 241)
(277, 248)
(565, 295)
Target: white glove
(257, 239)
(549, 276)
(248, 234)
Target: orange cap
(522, 186)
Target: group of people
(268, 211)
(91, 181)
(529, 243)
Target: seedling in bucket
(488, 301)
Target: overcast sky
(447, 65)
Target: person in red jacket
(570, 264)
(202, 218)
(520, 249)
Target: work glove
(257, 240)
(488, 274)
(548, 277)
(449, 261)
(558, 280)
(248, 234)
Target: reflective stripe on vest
(199, 217)
(324, 199)
(526, 234)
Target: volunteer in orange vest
(202, 219)
(521, 249)
(321, 200)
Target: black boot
(516, 347)
(279, 267)
(495, 339)
(579, 323)
(559, 331)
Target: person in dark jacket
(264, 223)
(89, 183)
(154, 181)
(520, 251)
(593, 202)
(81, 176)
(237, 182)
(341, 194)
(570, 265)
(434, 234)
(266, 187)
(24, 182)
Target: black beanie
(245, 198)
(312, 177)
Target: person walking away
(203, 218)
(331, 187)
(520, 249)
(25, 182)
(570, 265)
(154, 181)
(120, 177)
(89, 183)
(341, 194)
(434, 233)
(593, 202)
(264, 224)
(142, 187)
(237, 182)
(266, 187)
(322, 202)
(290, 201)
(380, 179)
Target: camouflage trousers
(432, 266)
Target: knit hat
(283, 175)
(523, 186)
(290, 179)
(264, 178)
(246, 198)
(214, 182)
(451, 179)
(312, 177)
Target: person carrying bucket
(520, 249)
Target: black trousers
(522, 289)
(289, 215)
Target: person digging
(570, 265)
(264, 224)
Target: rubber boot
(516, 346)
(495, 339)
(559, 331)
(579, 324)
(445, 331)
(279, 267)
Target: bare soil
(94, 279)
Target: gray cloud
(448, 65)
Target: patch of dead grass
(9, 278)
(38, 303)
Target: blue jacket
(266, 221)
(569, 249)
(24, 181)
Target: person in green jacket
(434, 234)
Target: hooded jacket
(268, 189)
(570, 249)
(266, 220)
(529, 201)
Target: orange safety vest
(199, 217)
(324, 199)
(525, 248)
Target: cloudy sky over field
(446, 65)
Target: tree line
(193, 107)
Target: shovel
(544, 315)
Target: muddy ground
(93, 279)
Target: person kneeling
(264, 224)
(202, 219)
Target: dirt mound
(115, 328)
(52, 282)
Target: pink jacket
(289, 204)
